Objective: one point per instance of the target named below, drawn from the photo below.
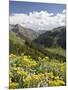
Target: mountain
(18, 45)
(41, 31)
(53, 38)
(26, 33)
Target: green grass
(15, 38)
(58, 50)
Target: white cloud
(64, 11)
(42, 20)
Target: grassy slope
(59, 51)
(13, 36)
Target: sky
(37, 16)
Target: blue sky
(37, 16)
(26, 7)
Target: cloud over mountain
(42, 20)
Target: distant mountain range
(50, 38)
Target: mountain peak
(24, 32)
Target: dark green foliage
(16, 48)
(53, 38)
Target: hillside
(53, 38)
(19, 45)
(22, 32)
